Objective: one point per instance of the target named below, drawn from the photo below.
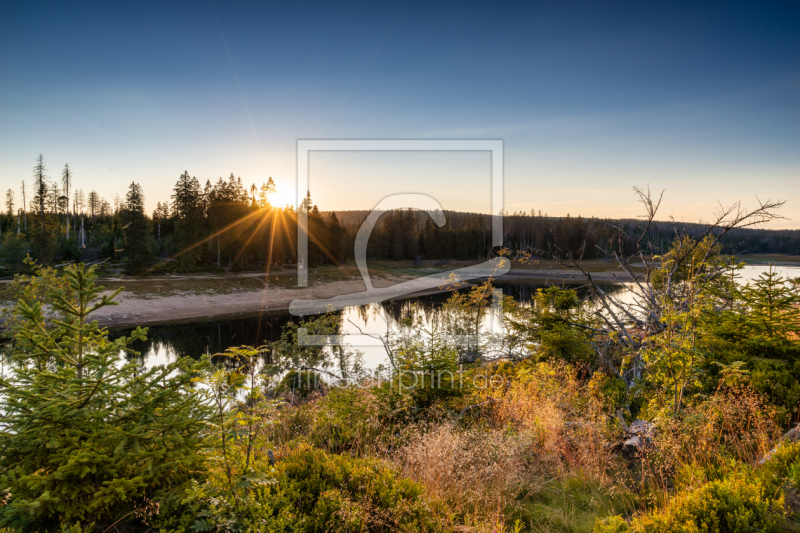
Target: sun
(283, 196)
(285, 191)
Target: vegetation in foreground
(578, 418)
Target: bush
(13, 252)
(739, 503)
(313, 491)
(354, 420)
(68, 250)
(781, 465)
(299, 384)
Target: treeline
(229, 225)
(224, 224)
(408, 235)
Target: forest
(227, 224)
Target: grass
(571, 505)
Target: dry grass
(542, 451)
(479, 473)
(731, 427)
(544, 429)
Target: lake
(166, 343)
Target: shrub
(299, 384)
(13, 251)
(781, 465)
(68, 249)
(312, 491)
(739, 503)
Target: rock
(632, 445)
(636, 438)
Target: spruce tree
(759, 329)
(138, 250)
(187, 206)
(40, 184)
(86, 438)
(94, 204)
(66, 183)
(10, 202)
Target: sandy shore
(133, 310)
(137, 308)
(138, 311)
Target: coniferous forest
(231, 225)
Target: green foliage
(555, 326)
(744, 500)
(735, 504)
(672, 356)
(32, 289)
(44, 238)
(13, 251)
(426, 365)
(782, 465)
(86, 438)
(572, 504)
(68, 249)
(761, 329)
(314, 491)
(138, 234)
(299, 384)
(348, 419)
(188, 210)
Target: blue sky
(589, 98)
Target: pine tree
(40, 184)
(43, 231)
(335, 238)
(187, 207)
(263, 196)
(66, 183)
(10, 202)
(94, 204)
(138, 251)
(85, 438)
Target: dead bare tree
(627, 326)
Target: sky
(589, 98)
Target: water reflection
(166, 343)
(362, 324)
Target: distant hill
(528, 231)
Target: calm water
(166, 343)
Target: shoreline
(182, 308)
(219, 303)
